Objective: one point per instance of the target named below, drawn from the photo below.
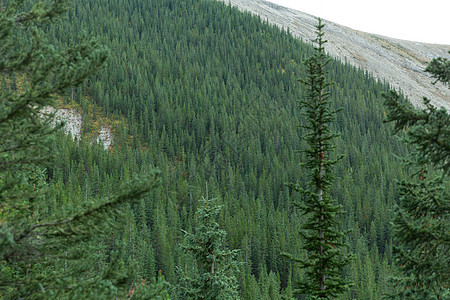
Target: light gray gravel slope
(400, 63)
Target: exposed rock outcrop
(105, 136)
(73, 123)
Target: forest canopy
(208, 96)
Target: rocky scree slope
(398, 62)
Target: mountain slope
(400, 63)
(210, 98)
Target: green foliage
(422, 220)
(440, 69)
(216, 265)
(44, 254)
(156, 290)
(35, 73)
(208, 93)
(202, 109)
(321, 236)
(427, 130)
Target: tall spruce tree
(216, 266)
(45, 253)
(421, 223)
(321, 238)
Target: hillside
(208, 95)
(400, 63)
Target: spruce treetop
(322, 240)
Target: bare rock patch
(73, 124)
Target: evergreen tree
(421, 222)
(216, 265)
(45, 251)
(155, 290)
(439, 68)
(321, 238)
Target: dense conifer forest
(204, 98)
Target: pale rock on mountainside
(73, 123)
(105, 136)
(398, 62)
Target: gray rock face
(70, 116)
(105, 136)
(401, 63)
(73, 121)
